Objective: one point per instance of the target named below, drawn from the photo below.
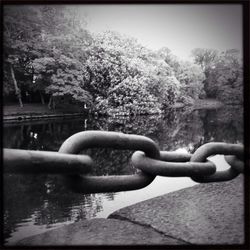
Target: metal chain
(147, 158)
(173, 169)
(212, 148)
(97, 139)
(39, 162)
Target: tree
(225, 81)
(124, 75)
(32, 34)
(189, 76)
(20, 35)
(204, 57)
(167, 55)
(223, 72)
(64, 78)
(191, 79)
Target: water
(35, 204)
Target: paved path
(202, 214)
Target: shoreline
(200, 104)
(13, 113)
(32, 117)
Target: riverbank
(200, 104)
(38, 111)
(210, 214)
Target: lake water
(37, 203)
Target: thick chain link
(39, 162)
(97, 139)
(212, 148)
(147, 158)
(173, 169)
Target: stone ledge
(100, 232)
(210, 213)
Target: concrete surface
(100, 232)
(203, 214)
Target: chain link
(39, 162)
(147, 158)
(171, 169)
(115, 140)
(214, 148)
(235, 163)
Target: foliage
(127, 78)
(224, 77)
(32, 46)
(64, 77)
(191, 80)
(20, 46)
(131, 97)
(166, 54)
(204, 57)
(48, 50)
(189, 77)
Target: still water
(37, 203)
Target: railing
(147, 158)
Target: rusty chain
(147, 158)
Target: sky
(180, 27)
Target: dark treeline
(50, 57)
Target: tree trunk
(17, 90)
(42, 98)
(53, 103)
(50, 102)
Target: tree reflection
(224, 125)
(46, 199)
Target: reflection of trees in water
(175, 128)
(54, 210)
(46, 199)
(225, 124)
(22, 196)
(112, 162)
(48, 135)
(179, 130)
(46, 196)
(170, 131)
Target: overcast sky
(179, 27)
